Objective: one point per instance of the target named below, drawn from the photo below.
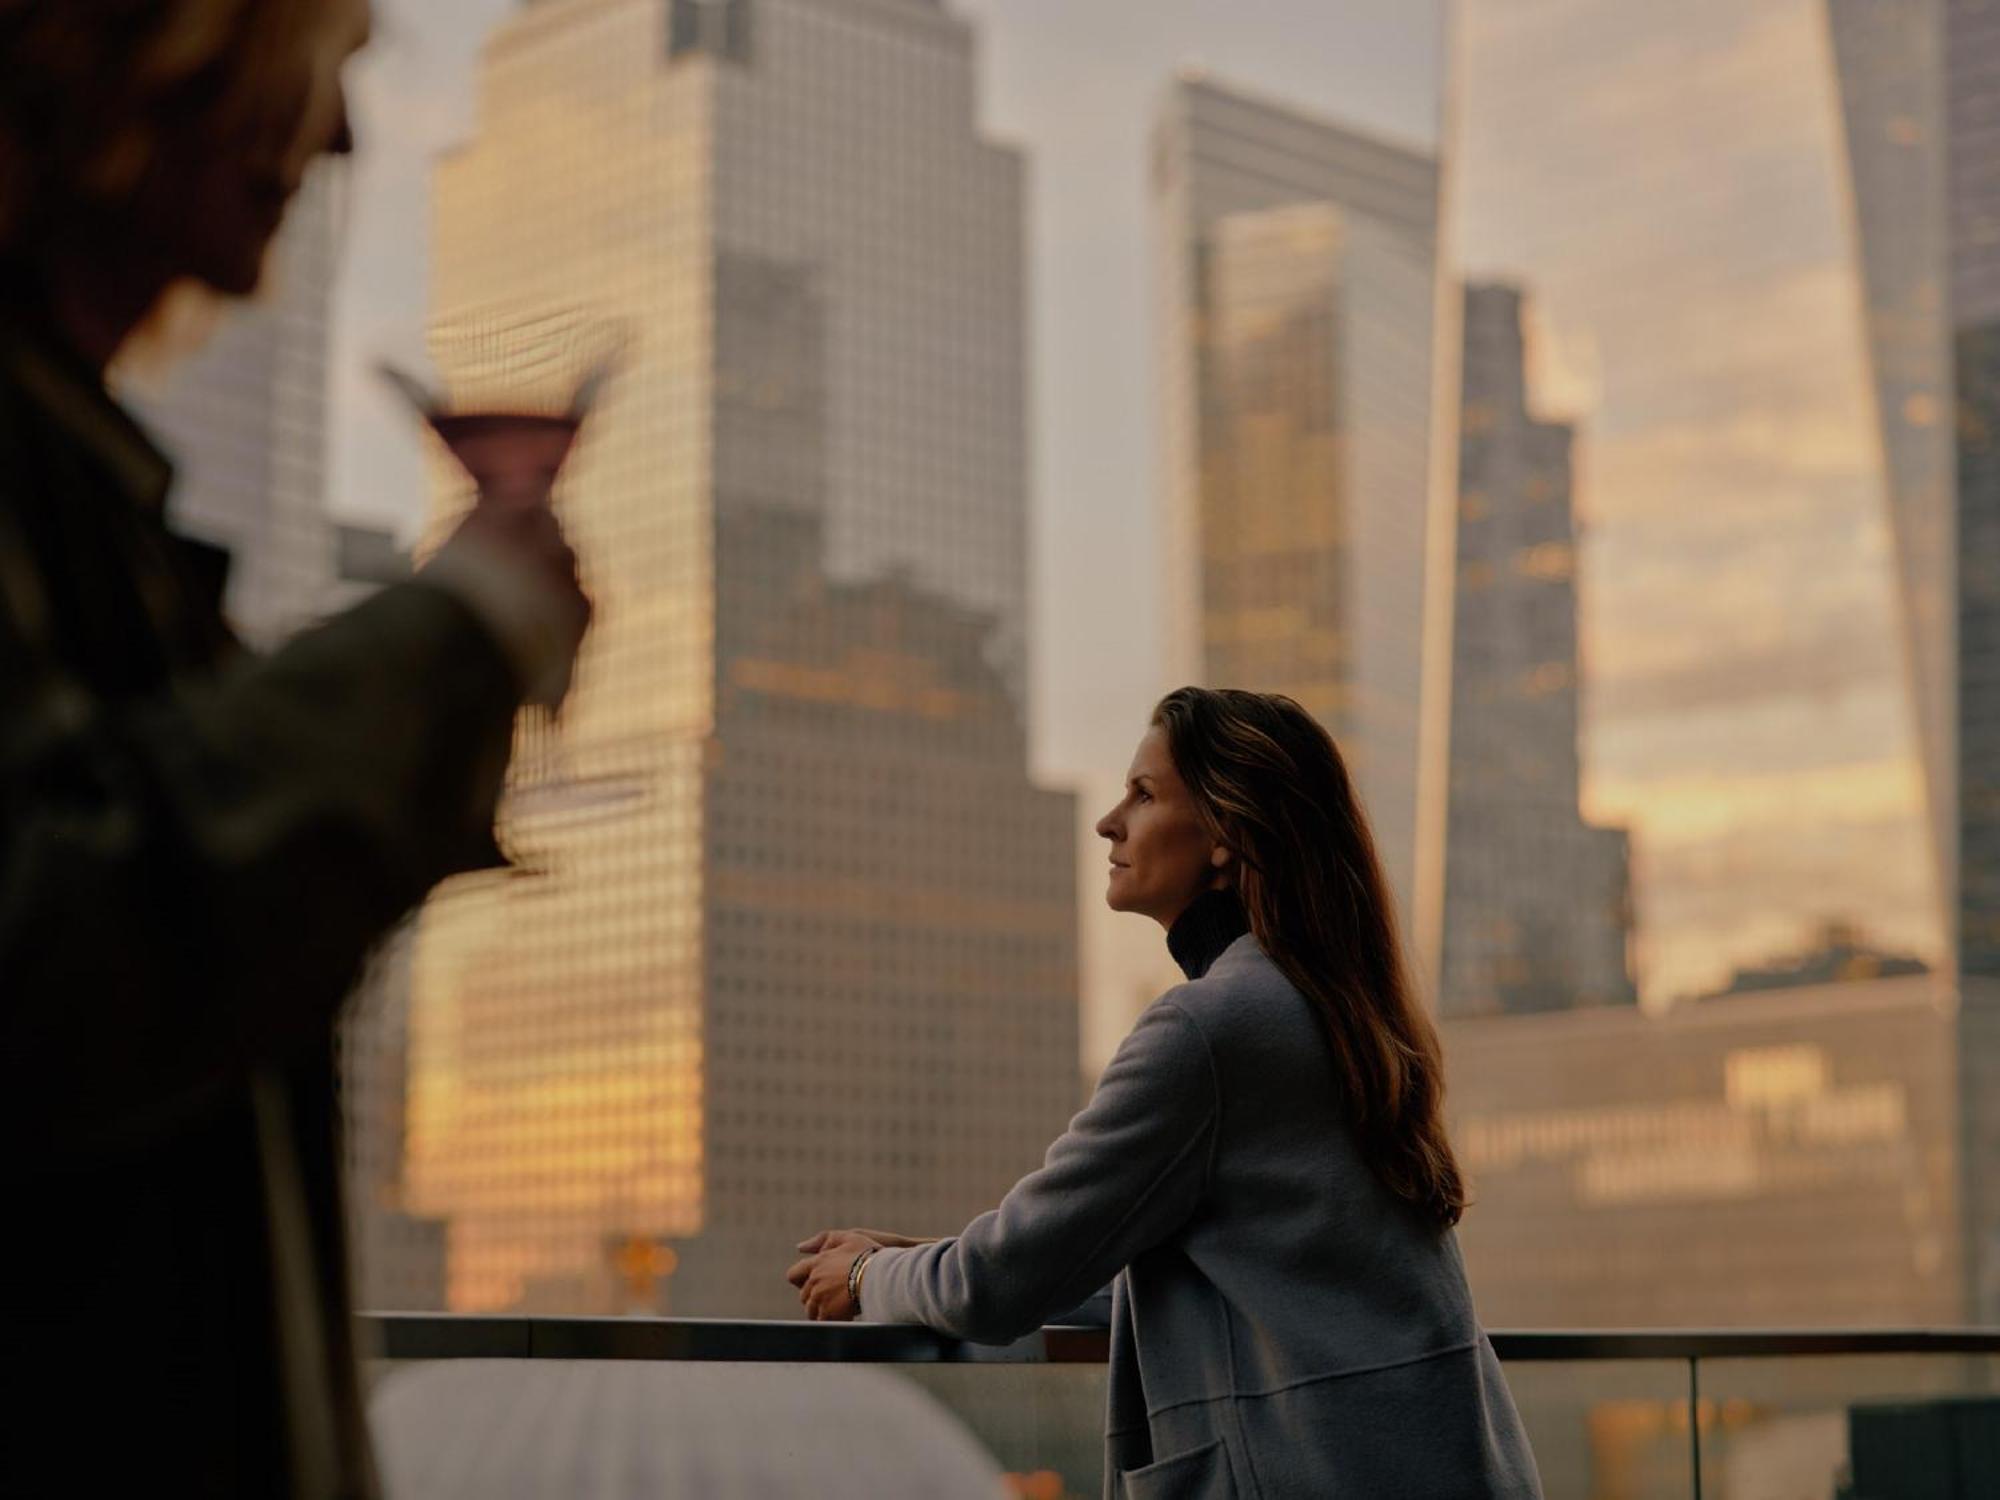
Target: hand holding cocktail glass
(514, 454)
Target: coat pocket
(1201, 1474)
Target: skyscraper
(1973, 145)
(1971, 134)
(244, 417)
(1537, 903)
(793, 942)
(1296, 261)
(1888, 78)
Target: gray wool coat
(1283, 1327)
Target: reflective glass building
(795, 945)
(1296, 262)
(1971, 118)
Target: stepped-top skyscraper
(793, 938)
(1537, 902)
(1296, 260)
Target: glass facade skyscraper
(1971, 121)
(1296, 264)
(796, 945)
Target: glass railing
(609, 1407)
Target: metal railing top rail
(424, 1336)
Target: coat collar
(64, 390)
(1201, 934)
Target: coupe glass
(506, 393)
(511, 392)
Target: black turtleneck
(1213, 921)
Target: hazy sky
(1073, 82)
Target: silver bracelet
(854, 1276)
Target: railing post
(1694, 1418)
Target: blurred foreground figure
(197, 847)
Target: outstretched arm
(1132, 1168)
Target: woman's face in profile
(222, 197)
(1161, 856)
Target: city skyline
(1871, 136)
(1078, 88)
(852, 552)
(1759, 448)
(1782, 373)
(791, 937)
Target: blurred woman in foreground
(198, 847)
(1263, 1167)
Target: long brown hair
(1270, 785)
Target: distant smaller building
(1784, 1160)
(1837, 953)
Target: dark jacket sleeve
(1131, 1169)
(190, 884)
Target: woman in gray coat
(1263, 1167)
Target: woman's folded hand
(881, 1237)
(822, 1276)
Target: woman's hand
(881, 1237)
(822, 1276)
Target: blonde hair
(87, 88)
